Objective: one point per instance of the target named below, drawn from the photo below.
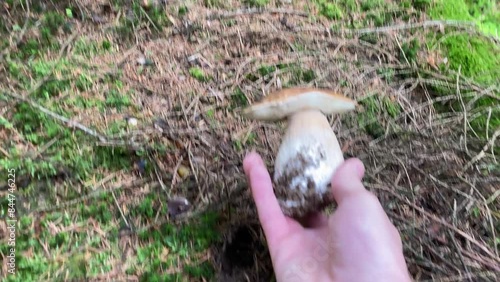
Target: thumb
(363, 229)
(346, 181)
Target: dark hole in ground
(243, 252)
(239, 252)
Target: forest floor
(114, 112)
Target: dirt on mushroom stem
(308, 156)
(309, 202)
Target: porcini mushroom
(309, 153)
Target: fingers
(271, 217)
(346, 181)
(361, 223)
(359, 206)
(350, 193)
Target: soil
(241, 253)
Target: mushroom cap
(283, 103)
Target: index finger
(271, 217)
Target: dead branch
(68, 122)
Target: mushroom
(309, 153)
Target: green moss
(392, 108)
(168, 242)
(154, 17)
(30, 269)
(203, 270)
(210, 113)
(69, 152)
(83, 82)
(145, 208)
(213, 3)
(256, 3)
(450, 9)
(379, 18)
(52, 86)
(198, 74)
(387, 74)
(16, 70)
(484, 13)
(53, 21)
(377, 109)
(106, 45)
(252, 137)
(422, 4)
(350, 5)
(409, 50)
(367, 5)
(487, 15)
(266, 70)
(117, 100)
(86, 47)
(238, 145)
(51, 24)
(331, 11)
(77, 267)
(335, 10)
(300, 75)
(28, 49)
(100, 212)
(370, 38)
(238, 99)
(476, 57)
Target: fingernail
(251, 159)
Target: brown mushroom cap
(283, 103)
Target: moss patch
(477, 57)
(377, 110)
(484, 13)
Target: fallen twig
(94, 193)
(482, 153)
(409, 26)
(251, 11)
(459, 252)
(70, 123)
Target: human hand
(357, 243)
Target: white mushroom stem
(309, 153)
(309, 138)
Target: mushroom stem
(308, 155)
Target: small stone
(141, 60)
(146, 4)
(177, 205)
(160, 124)
(98, 19)
(183, 171)
(141, 166)
(193, 59)
(132, 121)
